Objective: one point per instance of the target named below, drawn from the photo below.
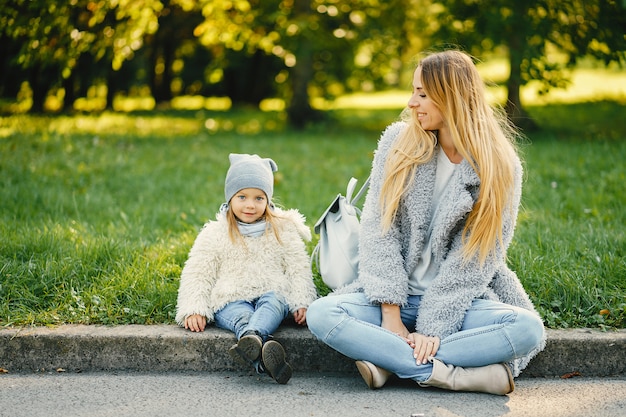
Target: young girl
(435, 301)
(249, 269)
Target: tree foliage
(53, 36)
(527, 29)
(250, 50)
(325, 46)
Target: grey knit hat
(249, 171)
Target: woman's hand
(300, 316)
(424, 347)
(195, 323)
(392, 321)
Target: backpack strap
(350, 190)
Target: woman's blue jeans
(263, 315)
(492, 332)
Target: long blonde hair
(480, 133)
(269, 216)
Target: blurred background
(291, 56)
(117, 118)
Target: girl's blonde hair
(481, 134)
(271, 225)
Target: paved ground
(237, 393)
(167, 348)
(167, 371)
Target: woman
(435, 301)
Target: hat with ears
(249, 171)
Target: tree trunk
(162, 54)
(112, 87)
(40, 87)
(69, 85)
(517, 42)
(299, 110)
(514, 109)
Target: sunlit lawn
(98, 212)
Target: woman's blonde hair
(271, 225)
(481, 134)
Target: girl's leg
(351, 325)
(252, 322)
(263, 315)
(492, 332)
(235, 316)
(270, 310)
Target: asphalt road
(209, 394)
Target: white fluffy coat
(219, 271)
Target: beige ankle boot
(374, 376)
(493, 379)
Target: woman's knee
(319, 314)
(315, 311)
(529, 327)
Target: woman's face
(428, 115)
(249, 204)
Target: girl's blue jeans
(263, 315)
(492, 332)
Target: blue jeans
(263, 315)
(492, 332)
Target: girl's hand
(195, 323)
(300, 316)
(424, 347)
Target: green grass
(570, 246)
(98, 212)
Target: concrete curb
(162, 348)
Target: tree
(176, 23)
(576, 28)
(299, 110)
(249, 27)
(49, 42)
(53, 36)
(326, 46)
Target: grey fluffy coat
(386, 260)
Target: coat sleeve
(199, 275)
(296, 262)
(382, 273)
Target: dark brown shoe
(275, 363)
(247, 350)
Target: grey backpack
(336, 254)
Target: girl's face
(249, 204)
(428, 115)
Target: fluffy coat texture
(219, 271)
(386, 261)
